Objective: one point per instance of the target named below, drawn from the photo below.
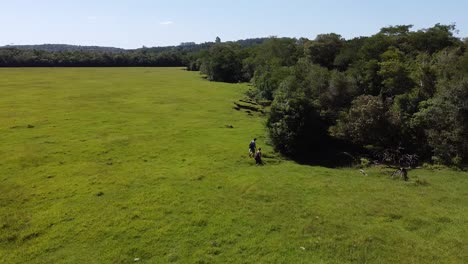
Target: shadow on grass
(330, 154)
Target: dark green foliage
(394, 73)
(278, 51)
(324, 49)
(267, 79)
(37, 58)
(294, 123)
(223, 63)
(270, 64)
(349, 53)
(366, 74)
(407, 88)
(445, 121)
(339, 93)
(434, 39)
(194, 65)
(365, 122)
(424, 76)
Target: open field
(105, 165)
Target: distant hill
(185, 46)
(194, 47)
(64, 47)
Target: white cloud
(165, 23)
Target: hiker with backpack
(252, 148)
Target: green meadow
(150, 165)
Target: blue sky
(134, 23)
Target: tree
(425, 76)
(218, 40)
(279, 51)
(267, 79)
(365, 123)
(349, 53)
(434, 39)
(394, 73)
(400, 30)
(340, 92)
(294, 123)
(445, 122)
(222, 63)
(324, 49)
(271, 62)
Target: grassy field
(105, 165)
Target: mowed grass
(105, 165)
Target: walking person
(258, 157)
(252, 148)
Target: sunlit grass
(105, 165)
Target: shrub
(365, 162)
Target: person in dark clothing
(258, 157)
(252, 148)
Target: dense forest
(16, 57)
(399, 96)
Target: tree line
(58, 55)
(397, 91)
(14, 57)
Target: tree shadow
(331, 153)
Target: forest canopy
(398, 91)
